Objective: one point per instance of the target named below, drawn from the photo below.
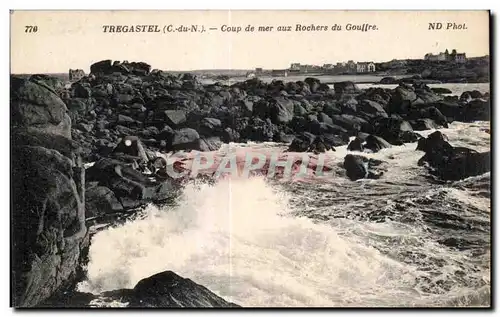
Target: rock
(395, 131)
(388, 81)
(401, 99)
(452, 163)
(125, 120)
(100, 201)
(358, 167)
(345, 87)
(175, 118)
(131, 146)
(322, 117)
(450, 109)
(102, 67)
(435, 141)
(430, 113)
(375, 143)
(281, 110)
(210, 126)
(36, 107)
(302, 142)
(356, 145)
(84, 127)
(208, 144)
(465, 96)
(185, 139)
(476, 94)
(440, 90)
(352, 123)
(423, 124)
(48, 222)
(256, 129)
(167, 289)
(77, 107)
(477, 110)
(81, 91)
(166, 134)
(372, 108)
(313, 83)
(53, 82)
(150, 132)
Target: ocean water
(401, 240)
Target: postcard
(243, 159)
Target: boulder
(402, 98)
(102, 67)
(313, 83)
(36, 107)
(372, 109)
(175, 118)
(356, 145)
(452, 163)
(441, 90)
(100, 201)
(424, 124)
(48, 221)
(302, 142)
(395, 131)
(358, 167)
(375, 143)
(477, 110)
(347, 87)
(281, 110)
(167, 289)
(185, 139)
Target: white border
(200, 4)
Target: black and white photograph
(250, 159)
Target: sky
(75, 39)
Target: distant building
(279, 72)
(365, 67)
(295, 66)
(371, 67)
(258, 70)
(76, 74)
(351, 66)
(327, 66)
(446, 56)
(361, 67)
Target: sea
(404, 240)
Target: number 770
(31, 29)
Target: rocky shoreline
(123, 114)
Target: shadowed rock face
(449, 162)
(162, 290)
(48, 215)
(168, 289)
(358, 167)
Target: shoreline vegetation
(123, 114)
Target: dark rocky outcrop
(48, 195)
(167, 289)
(162, 290)
(358, 167)
(449, 162)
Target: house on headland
(447, 56)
